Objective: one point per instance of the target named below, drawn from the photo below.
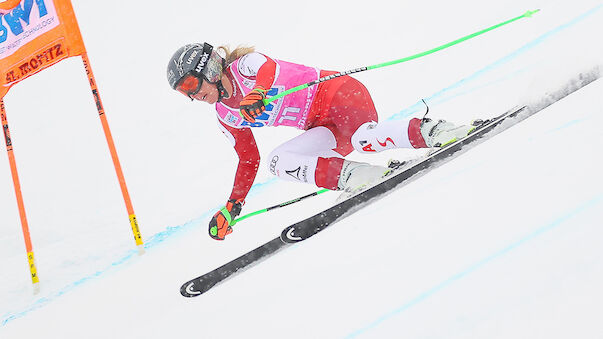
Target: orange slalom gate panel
(34, 35)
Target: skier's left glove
(219, 226)
(252, 105)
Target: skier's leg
(316, 156)
(347, 122)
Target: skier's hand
(219, 226)
(252, 105)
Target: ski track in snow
(561, 220)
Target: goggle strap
(221, 90)
(203, 60)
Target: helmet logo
(202, 62)
(192, 57)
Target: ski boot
(357, 177)
(439, 133)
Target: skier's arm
(249, 159)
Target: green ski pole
(415, 56)
(313, 194)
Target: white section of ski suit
(374, 137)
(296, 159)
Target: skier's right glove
(219, 226)
(252, 105)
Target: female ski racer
(337, 116)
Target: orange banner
(34, 35)
(8, 5)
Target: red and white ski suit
(338, 117)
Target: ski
(318, 222)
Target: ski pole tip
(529, 14)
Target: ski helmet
(191, 65)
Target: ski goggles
(189, 85)
(211, 72)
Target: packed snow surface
(504, 241)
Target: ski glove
(219, 226)
(252, 105)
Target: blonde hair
(238, 52)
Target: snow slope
(503, 241)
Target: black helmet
(199, 60)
